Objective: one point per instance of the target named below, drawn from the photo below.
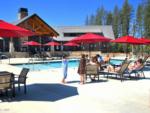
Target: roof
(30, 16)
(106, 30)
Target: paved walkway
(47, 95)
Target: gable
(36, 24)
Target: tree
(87, 20)
(109, 19)
(139, 21)
(126, 17)
(147, 19)
(100, 16)
(115, 24)
(92, 20)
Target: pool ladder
(31, 61)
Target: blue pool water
(49, 65)
(57, 64)
(115, 61)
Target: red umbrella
(128, 40)
(12, 31)
(52, 44)
(71, 44)
(90, 38)
(32, 43)
(146, 41)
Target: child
(81, 68)
(64, 68)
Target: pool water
(116, 61)
(49, 65)
(58, 64)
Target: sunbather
(115, 68)
(111, 68)
(137, 65)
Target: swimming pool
(48, 65)
(115, 61)
(57, 64)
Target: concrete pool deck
(47, 95)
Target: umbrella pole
(81, 47)
(126, 50)
(89, 50)
(62, 48)
(142, 51)
(10, 48)
(40, 45)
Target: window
(78, 34)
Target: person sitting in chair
(94, 62)
(107, 58)
(100, 59)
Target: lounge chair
(21, 79)
(120, 72)
(137, 72)
(92, 71)
(140, 71)
(145, 60)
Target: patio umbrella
(52, 44)
(128, 40)
(145, 40)
(32, 43)
(71, 44)
(8, 30)
(90, 38)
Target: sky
(58, 12)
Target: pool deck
(47, 95)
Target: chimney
(23, 12)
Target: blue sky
(58, 12)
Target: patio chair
(6, 83)
(21, 79)
(145, 60)
(120, 72)
(92, 71)
(138, 72)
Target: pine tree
(147, 19)
(126, 18)
(139, 21)
(115, 24)
(87, 20)
(109, 19)
(100, 16)
(92, 20)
